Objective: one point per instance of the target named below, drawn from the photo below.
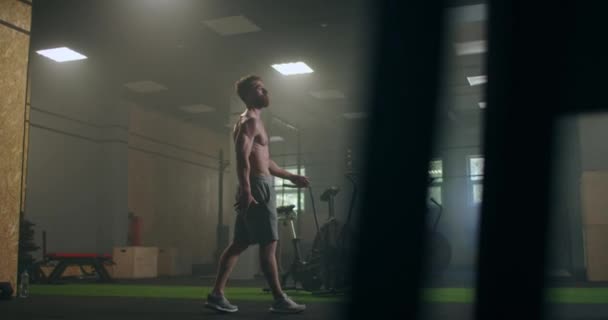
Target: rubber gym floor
(182, 298)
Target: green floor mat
(554, 295)
(179, 292)
(434, 295)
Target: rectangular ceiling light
(61, 54)
(482, 105)
(292, 68)
(471, 47)
(197, 108)
(327, 94)
(354, 115)
(145, 86)
(276, 139)
(477, 80)
(233, 25)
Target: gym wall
(173, 183)
(95, 157)
(593, 128)
(579, 230)
(581, 161)
(460, 218)
(77, 168)
(15, 21)
(565, 238)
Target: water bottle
(24, 285)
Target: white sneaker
(220, 303)
(286, 305)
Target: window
(477, 192)
(289, 196)
(476, 168)
(476, 176)
(436, 178)
(436, 171)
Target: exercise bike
(301, 271)
(331, 251)
(438, 244)
(327, 264)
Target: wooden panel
(141, 178)
(596, 242)
(26, 141)
(135, 262)
(16, 13)
(167, 262)
(13, 77)
(594, 197)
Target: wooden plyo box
(167, 262)
(594, 202)
(174, 262)
(596, 254)
(135, 262)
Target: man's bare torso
(259, 159)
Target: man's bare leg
(268, 263)
(227, 262)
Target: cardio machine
(439, 246)
(300, 270)
(331, 250)
(326, 265)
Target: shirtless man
(256, 221)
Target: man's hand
(300, 181)
(244, 201)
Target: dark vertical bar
(44, 244)
(221, 232)
(299, 166)
(330, 203)
(220, 212)
(524, 93)
(26, 128)
(299, 229)
(388, 266)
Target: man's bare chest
(262, 138)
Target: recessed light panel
(62, 54)
(477, 80)
(470, 47)
(292, 68)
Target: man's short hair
(244, 85)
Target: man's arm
(277, 171)
(244, 145)
(300, 181)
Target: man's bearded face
(259, 95)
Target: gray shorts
(259, 225)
